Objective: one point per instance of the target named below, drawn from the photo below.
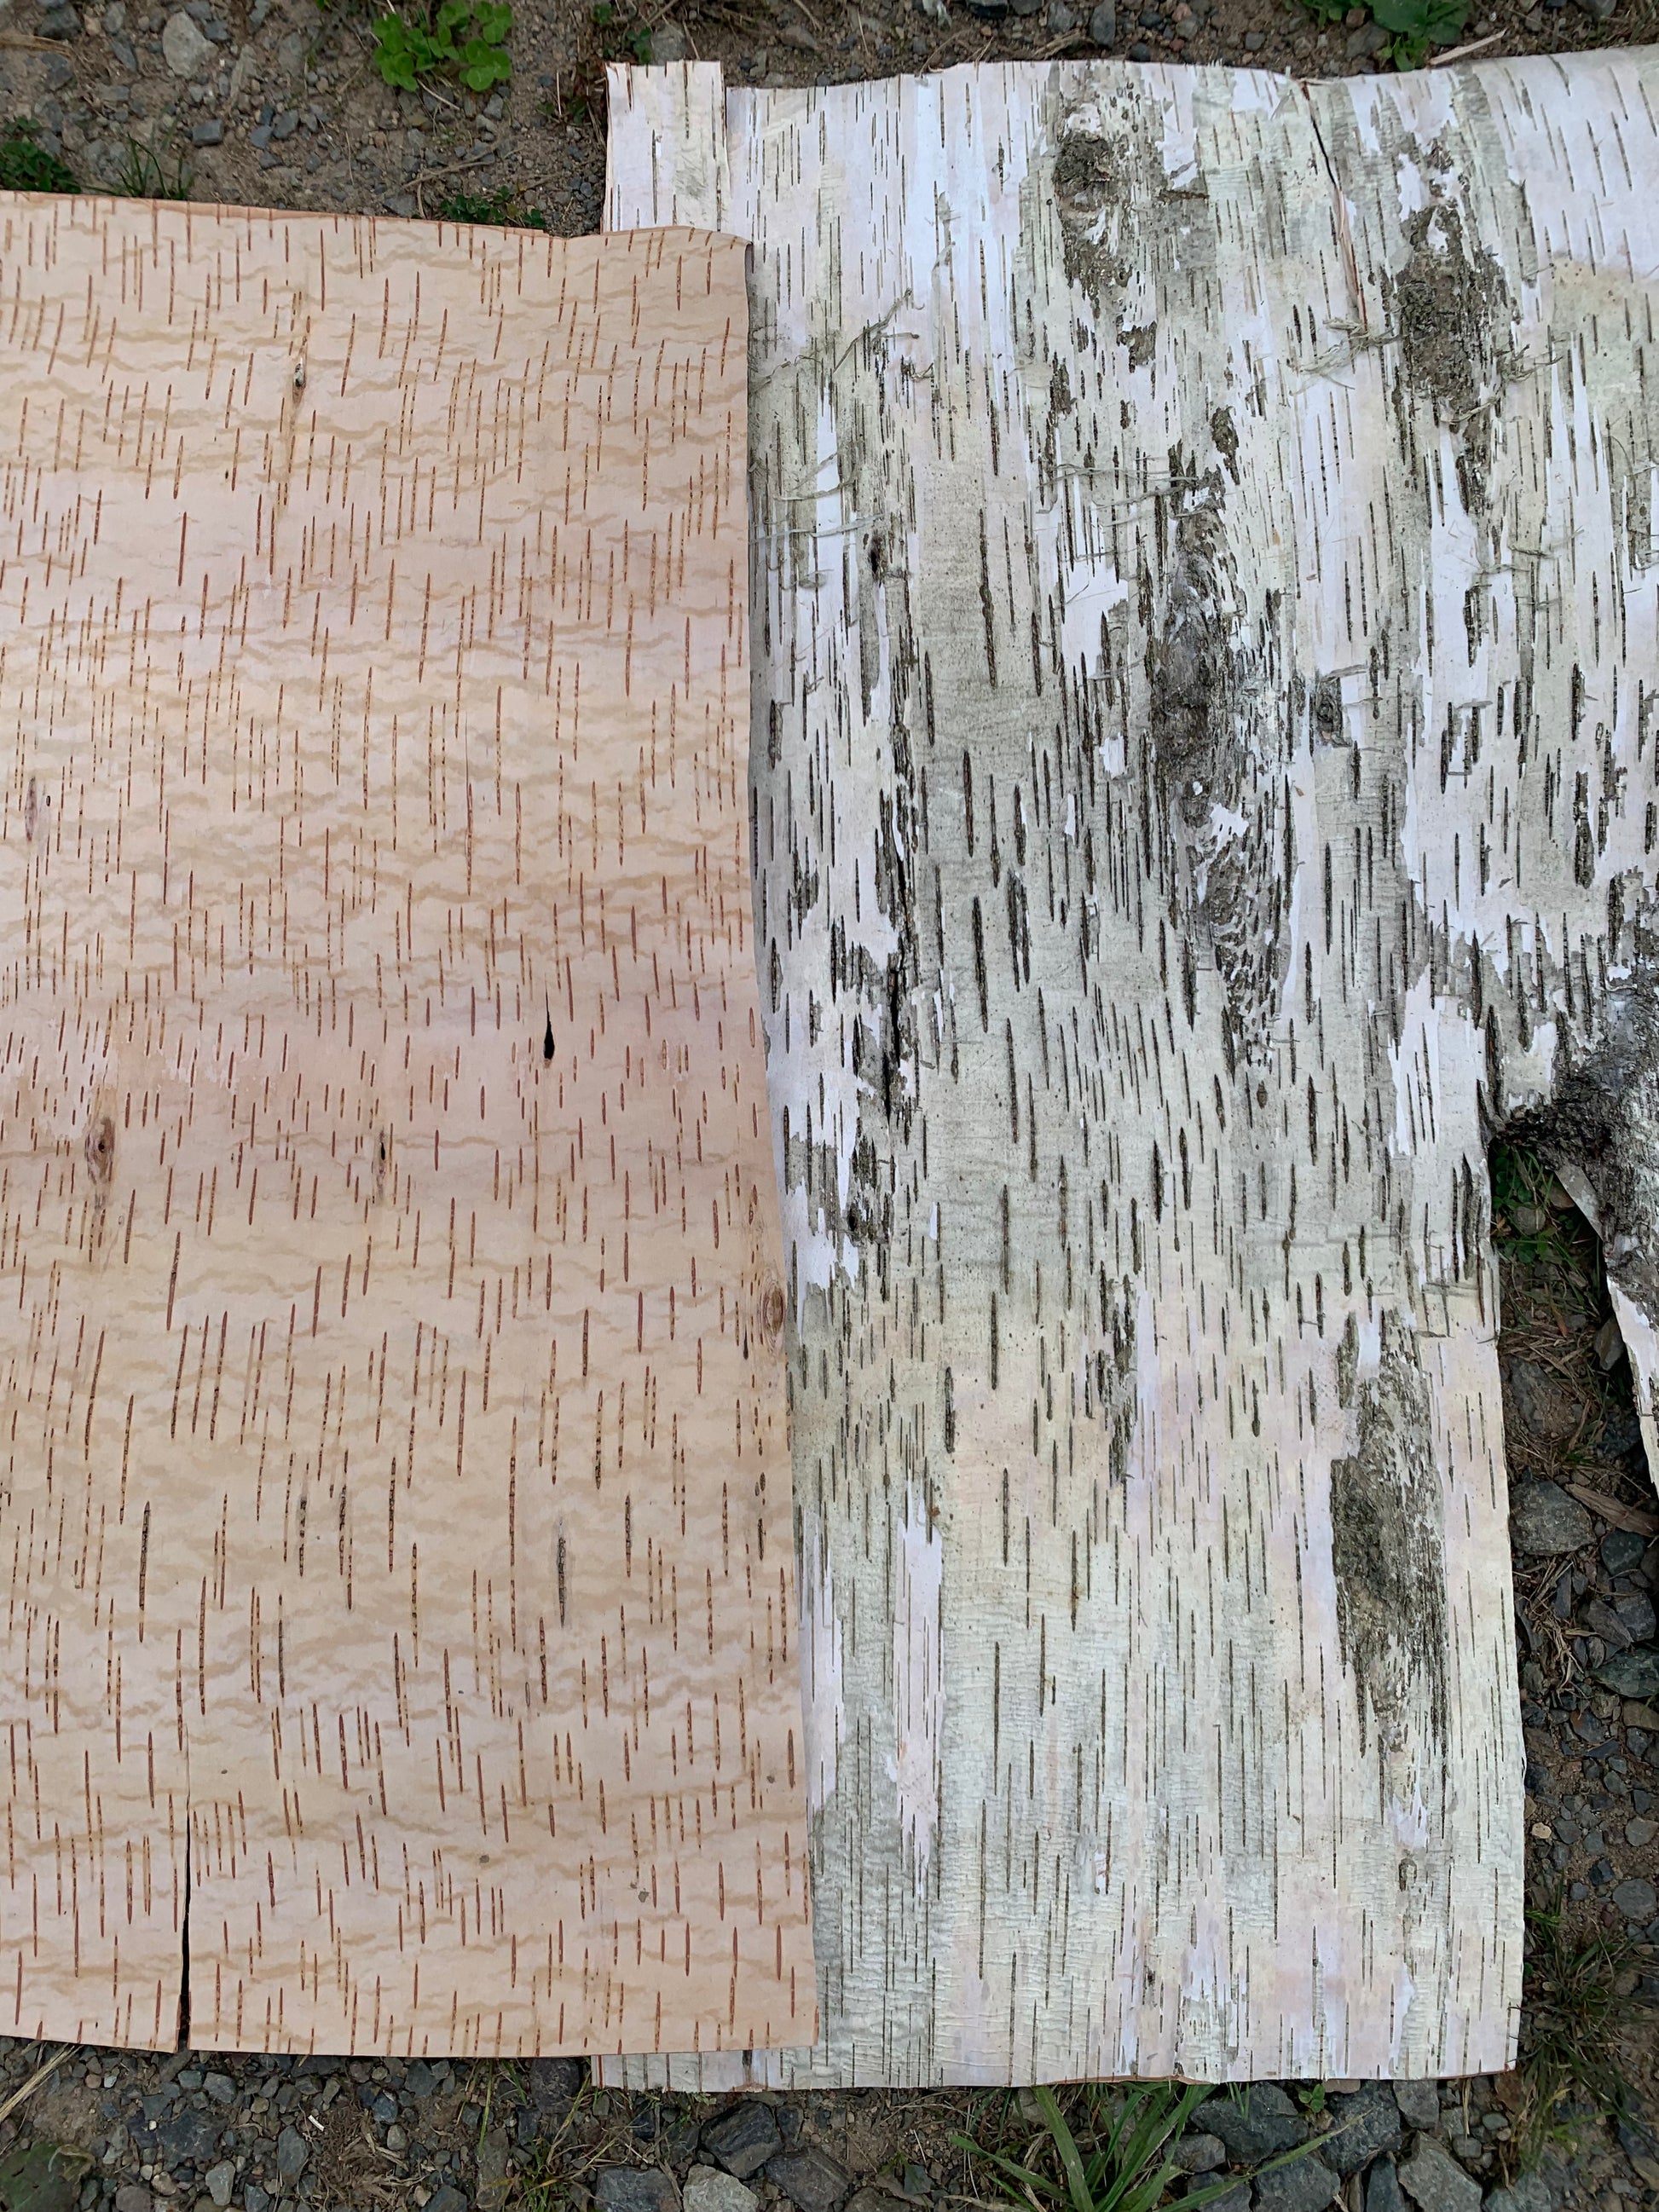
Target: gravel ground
(280, 104)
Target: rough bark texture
(1204, 778)
(396, 1478)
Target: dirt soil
(278, 103)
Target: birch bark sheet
(395, 1471)
(1206, 638)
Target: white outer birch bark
(1203, 780)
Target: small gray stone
(708, 2190)
(446, 2199)
(1632, 1673)
(866, 2200)
(219, 2181)
(260, 137)
(1600, 1617)
(184, 49)
(809, 2179)
(59, 21)
(255, 2200)
(1609, 1345)
(1538, 1404)
(1544, 1521)
(1382, 2188)
(1255, 41)
(1621, 1551)
(420, 2080)
(1061, 21)
(635, 2189)
(1140, 51)
(1599, 11)
(1418, 2103)
(291, 54)
(1259, 2121)
(211, 133)
(1369, 39)
(1365, 2123)
(1306, 2184)
(1236, 2199)
(402, 204)
(668, 44)
(1432, 2177)
(1198, 2153)
(1531, 2193)
(1636, 1898)
(285, 125)
(1102, 23)
(553, 2082)
(133, 2197)
(293, 2154)
(1640, 1832)
(744, 2137)
(220, 2086)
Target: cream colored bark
(397, 1477)
(1205, 619)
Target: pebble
(133, 2197)
(1531, 2193)
(446, 2199)
(1262, 2122)
(1544, 1522)
(1255, 41)
(809, 2179)
(1364, 2124)
(1632, 1673)
(60, 22)
(1637, 1898)
(634, 2189)
(1538, 1403)
(1307, 2185)
(1382, 2188)
(1102, 23)
(293, 2154)
(208, 134)
(1609, 1345)
(1198, 2153)
(220, 2180)
(708, 2190)
(1418, 2103)
(744, 2137)
(183, 47)
(1433, 2178)
(1621, 1551)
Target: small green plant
(147, 174)
(1414, 25)
(1578, 1998)
(25, 165)
(503, 207)
(464, 39)
(1130, 2167)
(619, 40)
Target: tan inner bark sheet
(397, 1475)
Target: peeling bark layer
(1207, 634)
(391, 1360)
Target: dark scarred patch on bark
(1388, 1548)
